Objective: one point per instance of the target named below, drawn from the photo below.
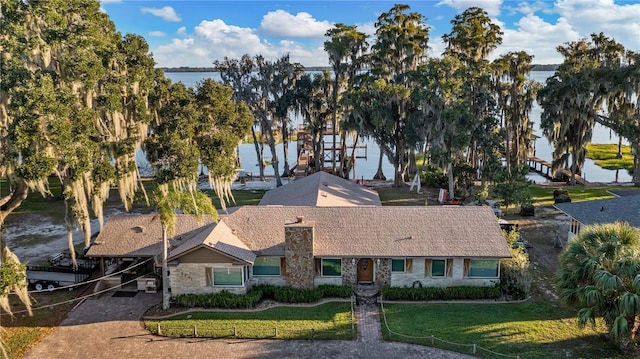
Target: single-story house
(304, 247)
(624, 208)
(343, 238)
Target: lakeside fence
(433, 341)
(176, 328)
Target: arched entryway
(365, 271)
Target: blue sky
(197, 32)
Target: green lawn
(325, 321)
(530, 329)
(242, 198)
(605, 156)
(543, 195)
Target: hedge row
(448, 293)
(228, 300)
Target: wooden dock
(306, 160)
(543, 168)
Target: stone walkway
(109, 327)
(369, 329)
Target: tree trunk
(379, 175)
(166, 297)
(258, 152)
(352, 160)
(334, 123)
(286, 172)
(274, 156)
(413, 166)
(343, 151)
(451, 184)
(316, 144)
(263, 163)
(636, 164)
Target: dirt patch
(542, 233)
(34, 237)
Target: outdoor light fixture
(378, 261)
(353, 261)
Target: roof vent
(299, 219)
(138, 229)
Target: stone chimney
(298, 253)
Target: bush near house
(435, 293)
(260, 292)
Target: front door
(365, 270)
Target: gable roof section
(138, 235)
(218, 237)
(323, 190)
(621, 209)
(439, 231)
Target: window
(397, 265)
(228, 276)
(331, 267)
(483, 268)
(438, 267)
(266, 266)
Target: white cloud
(578, 19)
(368, 28)
(282, 24)
(157, 33)
(102, 9)
(214, 39)
(182, 30)
(492, 7)
(537, 37)
(167, 13)
(618, 21)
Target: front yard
(325, 321)
(529, 329)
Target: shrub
(562, 199)
(437, 293)
(260, 292)
(295, 295)
(335, 291)
(434, 178)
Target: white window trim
(213, 276)
(488, 259)
(404, 265)
(322, 268)
(269, 275)
(445, 268)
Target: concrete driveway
(110, 327)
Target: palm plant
(600, 272)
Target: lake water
(366, 168)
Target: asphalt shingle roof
(219, 237)
(447, 231)
(138, 235)
(621, 209)
(322, 190)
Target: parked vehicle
(59, 272)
